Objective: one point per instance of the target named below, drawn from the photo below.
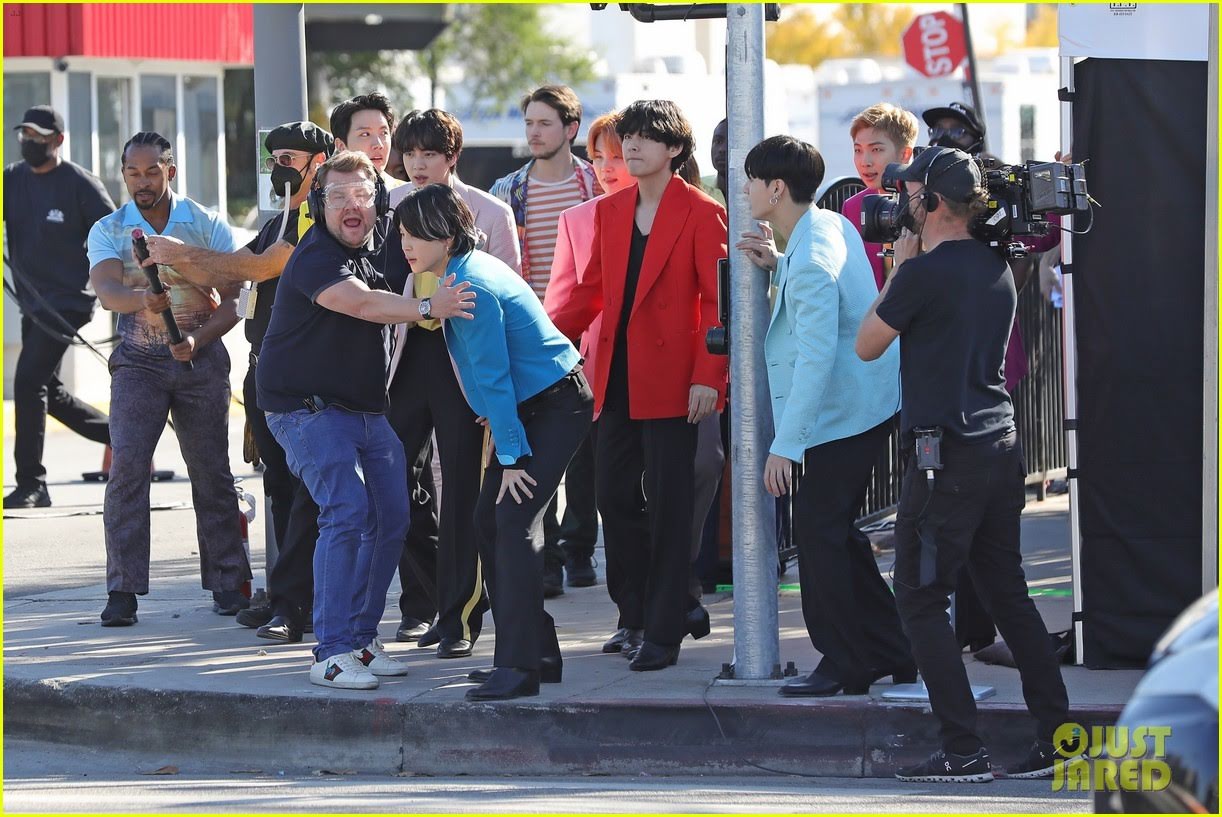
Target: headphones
(317, 200)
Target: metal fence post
(756, 639)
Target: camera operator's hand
(778, 471)
(155, 303)
(1065, 158)
(908, 245)
(185, 351)
(759, 247)
(165, 249)
(450, 301)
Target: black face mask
(282, 175)
(35, 154)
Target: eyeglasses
(37, 139)
(953, 133)
(284, 160)
(358, 193)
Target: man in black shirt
(953, 307)
(52, 205)
(322, 381)
(296, 150)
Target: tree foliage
(1042, 31)
(501, 49)
(853, 29)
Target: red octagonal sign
(934, 44)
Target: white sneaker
(342, 671)
(375, 658)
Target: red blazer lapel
(667, 225)
(617, 240)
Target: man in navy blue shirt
(322, 382)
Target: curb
(827, 738)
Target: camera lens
(881, 218)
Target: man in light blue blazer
(832, 413)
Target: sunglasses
(953, 133)
(359, 193)
(284, 160)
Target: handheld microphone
(171, 326)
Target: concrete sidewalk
(185, 681)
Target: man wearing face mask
(296, 150)
(53, 203)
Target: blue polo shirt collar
(180, 212)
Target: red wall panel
(178, 31)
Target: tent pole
(1209, 481)
(1070, 356)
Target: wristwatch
(426, 307)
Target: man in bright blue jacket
(523, 378)
(832, 414)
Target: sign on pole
(934, 44)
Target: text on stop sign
(934, 47)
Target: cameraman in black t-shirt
(52, 205)
(963, 489)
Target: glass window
(80, 119)
(159, 105)
(114, 114)
(201, 121)
(21, 92)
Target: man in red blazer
(653, 274)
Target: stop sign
(934, 44)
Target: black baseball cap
(305, 136)
(955, 110)
(42, 119)
(947, 171)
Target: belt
(574, 376)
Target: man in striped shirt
(550, 183)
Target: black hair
(791, 160)
(150, 139)
(433, 129)
(435, 213)
(658, 120)
(341, 117)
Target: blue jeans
(353, 465)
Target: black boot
(654, 657)
(120, 610)
(506, 683)
(550, 672)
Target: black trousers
(578, 530)
(971, 519)
(425, 398)
(848, 608)
(418, 566)
(290, 585)
(646, 495)
(511, 535)
(37, 392)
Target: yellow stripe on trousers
(477, 591)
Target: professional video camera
(1020, 197)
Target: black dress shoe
(698, 625)
(550, 672)
(453, 648)
(818, 686)
(579, 571)
(255, 617)
(281, 628)
(616, 642)
(899, 675)
(654, 657)
(506, 683)
(633, 643)
(228, 602)
(120, 609)
(431, 636)
(410, 629)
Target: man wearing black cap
(52, 205)
(297, 149)
(959, 507)
(955, 126)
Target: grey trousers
(144, 388)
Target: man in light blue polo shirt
(150, 378)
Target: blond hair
(899, 125)
(347, 161)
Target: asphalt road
(48, 778)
